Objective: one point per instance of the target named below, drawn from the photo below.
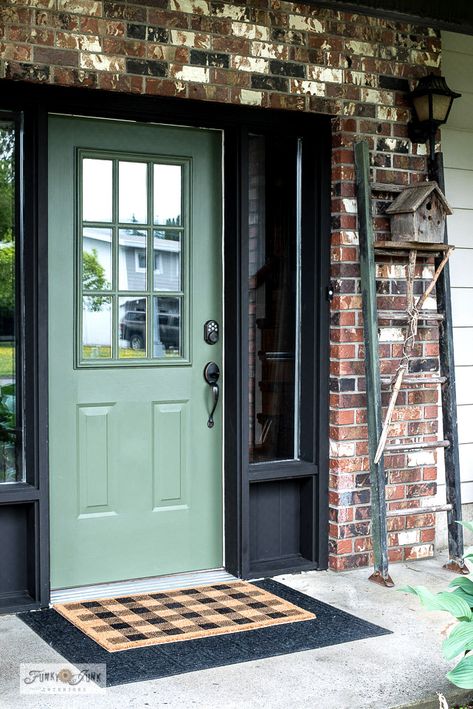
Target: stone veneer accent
(282, 55)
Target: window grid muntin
(150, 292)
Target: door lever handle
(211, 376)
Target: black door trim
(35, 102)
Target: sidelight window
(274, 299)
(11, 445)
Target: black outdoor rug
(330, 627)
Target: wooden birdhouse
(419, 213)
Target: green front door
(135, 261)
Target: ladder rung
(434, 379)
(397, 315)
(425, 445)
(419, 510)
(420, 246)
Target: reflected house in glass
(132, 268)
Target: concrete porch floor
(402, 669)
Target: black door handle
(211, 376)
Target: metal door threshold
(134, 586)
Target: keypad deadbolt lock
(211, 332)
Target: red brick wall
(278, 54)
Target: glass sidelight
(274, 298)
(11, 466)
(134, 242)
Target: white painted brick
(421, 149)
(190, 39)
(193, 73)
(364, 48)
(391, 334)
(425, 58)
(251, 98)
(320, 73)
(350, 237)
(423, 551)
(361, 78)
(342, 449)
(254, 64)
(82, 7)
(314, 88)
(250, 31)
(378, 97)
(410, 537)
(233, 12)
(309, 24)
(416, 459)
(89, 43)
(270, 51)
(349, 206)
(390, 270)
(193, 7)
(100, 62)
(388, 113)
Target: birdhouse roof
(410, 199)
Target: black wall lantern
(431, 101)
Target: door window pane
(167, 260)
(273, 285)
(97, 327)
(97, 190)
(132, 261)
(132, 317)
(167, 195)
(131, 287)
(96, 259)
(167, 327)
(133, 192)
(11, 468)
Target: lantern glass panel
(441, 105)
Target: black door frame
(34, 103)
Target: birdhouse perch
(419, 213)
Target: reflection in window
(97, 327)
(272, 300)
(133, 192)
(97, 190)
(132, 259)
(167, 327)
(97, 259)
(11, 469)
(167, 195)
(132, 270)
(167, 260)
(132, 328)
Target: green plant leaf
(467, 525)
(463, 594)
(462, 582)
(462, 674)
(459, 640)
(443, 601)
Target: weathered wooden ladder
(377, 430)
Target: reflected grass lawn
(92, 352)
(105, 352)
(6, 360)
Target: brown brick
(60, 57)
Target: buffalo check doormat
(128, 622)
(328, 626)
